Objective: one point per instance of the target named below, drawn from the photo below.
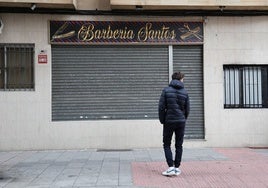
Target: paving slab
(137, 168)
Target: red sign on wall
(42, 58)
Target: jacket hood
(176, 84)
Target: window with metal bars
(245, 86)
(16, 67)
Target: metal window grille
(16, 67)
(245, 86)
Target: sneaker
(177, 171)
(169, 172)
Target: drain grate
(113, 150)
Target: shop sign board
(125, 32)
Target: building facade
(77, 75)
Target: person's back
(176, 103)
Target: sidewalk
(201, 167)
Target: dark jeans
(168, 131)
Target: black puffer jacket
(174, 105)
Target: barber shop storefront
(86, 75)
(117, 70)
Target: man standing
(173, 111)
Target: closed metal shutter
(107, 82)
(189, 60)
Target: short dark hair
(177, 76)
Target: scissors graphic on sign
(189, 33)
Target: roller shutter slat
(107, 82)
(189, 60)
